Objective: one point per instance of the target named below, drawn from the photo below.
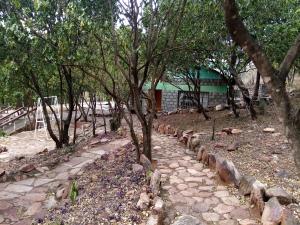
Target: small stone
(27, 168)
(186, 220)
(220, 107)
(222, 208)
(1, 219)
(272, 212)
(214, 217)
(182, 187)
(153, 220)
(282, 196)
(236, 131)
(247, 222)
(269, 130)
(159, 205)
(200, 207)
(144, 201)
(137, 168)
(233, 201)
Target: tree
(131, 49)
(274, 78)
(41, 39)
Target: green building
(176, 94)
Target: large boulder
(186, 220)
(257, 197)
(246, 185)
(272, 212)
(282, 196)
(155, 182)
(227, 172)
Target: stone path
(27, 200)
(191, 189)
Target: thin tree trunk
(232, 102)
(256, 87)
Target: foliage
(73, 192)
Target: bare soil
(266, 156)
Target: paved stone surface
(25, 201)
(189, 188)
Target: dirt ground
(108, 193)
(266, 156)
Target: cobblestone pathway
(27, 200)
(191, 189)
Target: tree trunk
(67, 121)
(232, 102)
(147, 142)
(256, 87)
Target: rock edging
(270, 202)
(152, 199)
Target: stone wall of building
(169, 100)
(217, 98)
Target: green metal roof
(204, 88)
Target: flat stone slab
(4, 195)
(18, 188)
(42, 181)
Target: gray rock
(282, 196)
(154, 220)
(227, 172)
(186, 220)
(27, 168)
(155, 182)
(144, 201)
(257, 196)
(272, 212)
(51, 203)
(246, 184)
(159, 206)
(137, 168)
(145, 162)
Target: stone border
(269, 201)
(157, 213)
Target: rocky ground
(109, 190)
(264, 155)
